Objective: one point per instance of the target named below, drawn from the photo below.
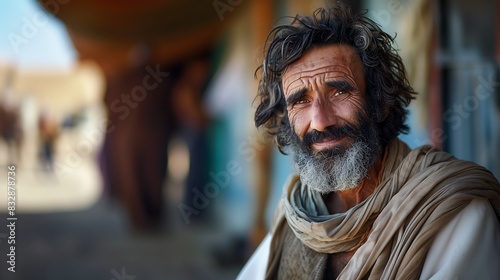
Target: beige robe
(398, 230)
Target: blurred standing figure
(145, 103)
(134, 154)
(10, 120)
(48, 131)
(11, 131)
(193, 122)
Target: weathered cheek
(349, 107)
(297, 121)
(359, 106)
(292, 116)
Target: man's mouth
(327, 143)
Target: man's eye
(340, 92)
(301, 101)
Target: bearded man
(333, 92)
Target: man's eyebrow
(340, 85)
(293, 97)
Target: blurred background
(131, 125)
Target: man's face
(325, 88)
(333, 141)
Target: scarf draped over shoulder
(420, 191)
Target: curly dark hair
(388, 91)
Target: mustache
(330, 132)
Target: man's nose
(322, 116)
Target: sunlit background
(130, 124)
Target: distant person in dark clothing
(134, 156)
(11, 132)
(145, 105)
(48, 131)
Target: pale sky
(30, 38)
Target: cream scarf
(420, 191)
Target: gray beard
(340, 172)
(336, 169)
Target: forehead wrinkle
(340, 61)
(324, 69)
(306, 74)
(312, 66)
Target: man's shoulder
(471, 238)
(432, 157)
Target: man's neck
(341, 201)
